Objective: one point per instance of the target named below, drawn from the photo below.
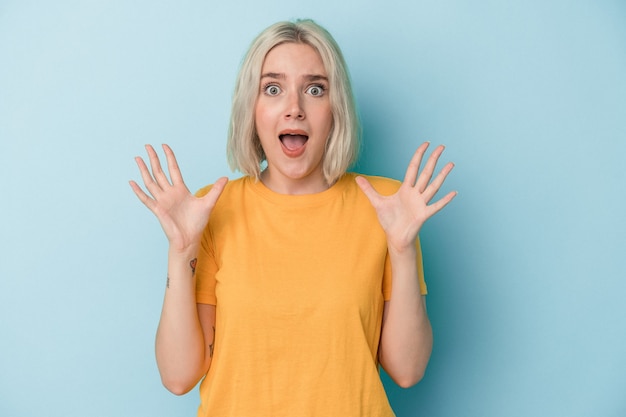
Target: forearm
(406, 339)
(180, 350)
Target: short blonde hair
(244, 150)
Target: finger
(157, 171)
(414, 166)
(368, 190)
(143, 197)
(429, 168)
(436, 184)
(147, 178)
(172, 166)
(441, 203)
(216, 190)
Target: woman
(279, 289)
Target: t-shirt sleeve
(387, 277)
(206, 268)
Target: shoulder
(383, 185)
(231, 185)
(229, 203)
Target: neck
(294, 186)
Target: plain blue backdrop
(526, 268)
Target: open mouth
(293, 141)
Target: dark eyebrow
(280, 76)
(315, 77)
(273, 75)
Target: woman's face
(293, 119)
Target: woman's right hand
(183, 216)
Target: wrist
(181, 269)
(402, 251)
(183, 260)
(183, 252)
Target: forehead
(294, 57)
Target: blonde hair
(244, 150)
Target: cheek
(328, 118)
(263, 117)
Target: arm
(184, 341)
(185, 336)
(406, 339)
(406, 336)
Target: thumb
(367, 189)
(216, 190)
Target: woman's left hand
(402, 214)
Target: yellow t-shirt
(299, 284)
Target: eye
(272, 90)
(316, 90)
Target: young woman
(287, 287)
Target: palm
(402, 214)
(182, 215)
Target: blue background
(526, 268)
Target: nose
(294, 108)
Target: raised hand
(402, 214)
(183, 216)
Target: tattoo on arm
(192, 264)
(212, 345)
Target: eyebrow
(281, 76)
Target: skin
(185, 336)
(184, 340)
(293, 97)
(406, 336)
